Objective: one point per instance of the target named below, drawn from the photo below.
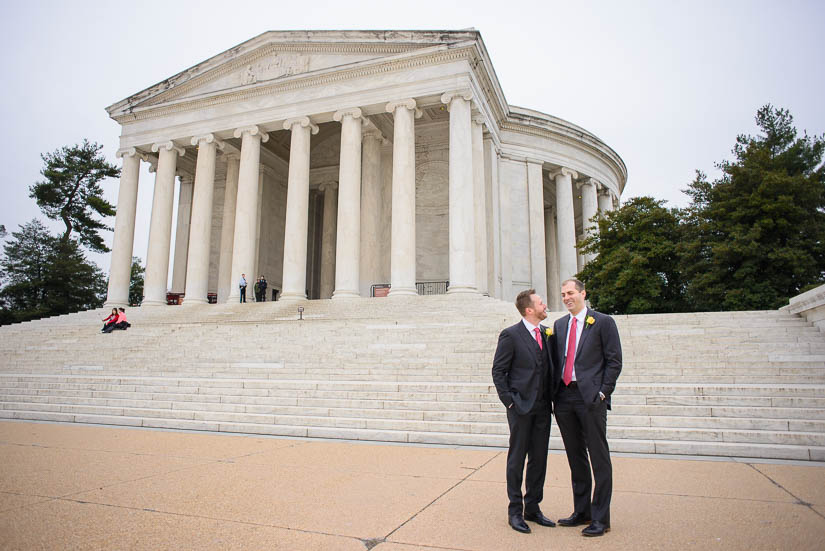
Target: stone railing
(810, 305)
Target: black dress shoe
(575, 519)
(539, 518)
(518, 524)
(596, 528)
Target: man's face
(539, 308)
(573, 299)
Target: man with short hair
(587, 348)
(242, 286)
(523, 374)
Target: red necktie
(538, 338)
(567, 376)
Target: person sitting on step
(121, 320)
(111, 320)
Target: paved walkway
(89, 487)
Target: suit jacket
(598, 359)
(517, 368)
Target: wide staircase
(416, 369)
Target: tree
(71, 192)
(46, 276)
(25, 264)
(136, 283)
(756, 236)
(637, 267)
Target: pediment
(258, 68)
(277, 56)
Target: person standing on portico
(242, 286)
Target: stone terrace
(743, 384)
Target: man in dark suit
(523, 374)
(586, 346)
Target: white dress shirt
(580, 317)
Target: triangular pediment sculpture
(280, 55)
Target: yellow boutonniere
(548, 332)
(590, 320)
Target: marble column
(258, 220)
(494, 214)
(230, 198)
(348, 237)
(160, 227)
(402, 246)
(328, 239)
(480, 204)
(535, 210)
(371, 210)
(590, 207)
(200, 229)
(605, 199)
(187, 185)
(120, 270)
(566, 223)
(553, 285)
(246, 209)
(297, 205)
(462, 259)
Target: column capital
(168, 146)
(369, 130)
(587, 182)
(207, 139)
(252, 131)
(478, 118)
(304, 122)
(186, 178)
(408, 103)
(153, 162)
(354, 112)
(564, 171)
(229, 155)
(126, 152)
(464, 93)
(331, 185)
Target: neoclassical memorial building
(342, 163)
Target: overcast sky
(667, 85)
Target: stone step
(669, 389)
(615, 432)
(741, 383)
(188, 410)
(452, 410)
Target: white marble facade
(332, 161)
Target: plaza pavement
(65, 486)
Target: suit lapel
(530, 339)
(562, 343)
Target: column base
(345, 294)
(467, 289)
(292, 297)
(153, 303)
(116, 304)
(402, 291)
(193, 301)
